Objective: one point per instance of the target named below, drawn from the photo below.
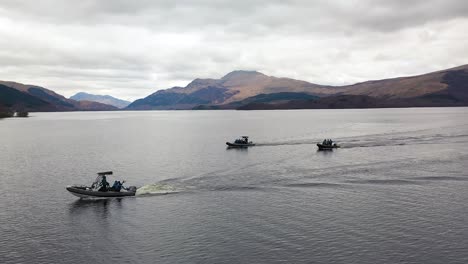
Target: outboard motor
(132, 189)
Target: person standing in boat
(104, 184)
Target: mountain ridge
(254, 90)
(238, 86)
(26, 97)
(234, 86)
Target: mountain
(18, 96)
(233, 87)
(254, 90)
(261, 99)
(409, 87)
(58, 102)
(11, 98)
(438, 89)
(104, 99)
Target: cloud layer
(129, 49)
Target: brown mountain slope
(55, 102)
(15, 100)
(243, 84)
(438, 89)
(235, 86)
(60, 102)
(403, 87)
(248, 84)
(238, 86)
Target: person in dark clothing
(104, 184)
(117, 186)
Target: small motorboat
(242, 142)
(87, 192)
(100, 188)
(327, 144)
(327, 147)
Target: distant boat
(97, 190)
(242, 142)
(327, 144)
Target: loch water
(396, 192)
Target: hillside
(11, 98)
(18, 96)
(441, 89)
(404, 87)
(240, 89)
(233, 87)
(59, 102)
(104, 99)
(254, 90)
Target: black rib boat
(97, 190)
(327, 144)
(327, 147)
(242, 142)
(87, 192)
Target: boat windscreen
(98, 182)
(98, 179)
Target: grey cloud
(242, 14)
(135, 47)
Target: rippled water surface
(396, 192)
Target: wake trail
(157, 189)
(378, 140)
(287, 143)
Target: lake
(396, 192)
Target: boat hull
(237, 145)
(327, 147)
(84, 192)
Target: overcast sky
(129, 49)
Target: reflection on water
(85, 204)
(326, 152)
(99, 207)
(237, 148)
